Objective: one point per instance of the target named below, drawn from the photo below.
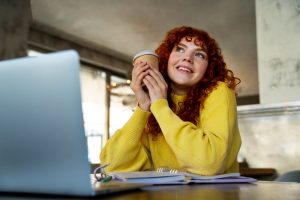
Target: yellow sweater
(209, 148)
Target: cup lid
(144, 52)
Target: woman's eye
(179, 49)
(200, 55)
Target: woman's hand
(156, 85)
(139, 71)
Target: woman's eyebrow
(199, 48)
(181, 44)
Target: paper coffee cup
(146, 56)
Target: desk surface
(257, 191)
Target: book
(175, 177)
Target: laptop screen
(42, 142)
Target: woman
(187, 120)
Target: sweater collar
(177, 98)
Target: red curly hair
(189, 110)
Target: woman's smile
(187, 65)
(184, 69)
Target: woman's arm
(206, 148)
(125, 151)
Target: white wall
(278, 43)
(270, 136)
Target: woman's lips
(184, 69)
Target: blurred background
(259, 40)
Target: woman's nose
(188, 58)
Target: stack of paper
(154, 177)
(151, 177)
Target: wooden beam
(47, 39)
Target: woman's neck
(179, 90)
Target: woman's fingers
(139, 68)
(158, 77)
(138, 73)
(156, 86)
(152, 78)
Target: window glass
(33, 53)
(93, 103)
(122, 103)
(93, 92)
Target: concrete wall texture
(278, 45)
(15, 17)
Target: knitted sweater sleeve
(202, 149)
(125, 151)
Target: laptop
(43, 148)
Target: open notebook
(175, 177)
(43, 148)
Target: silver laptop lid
(42, 142)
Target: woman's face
(186, 66)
